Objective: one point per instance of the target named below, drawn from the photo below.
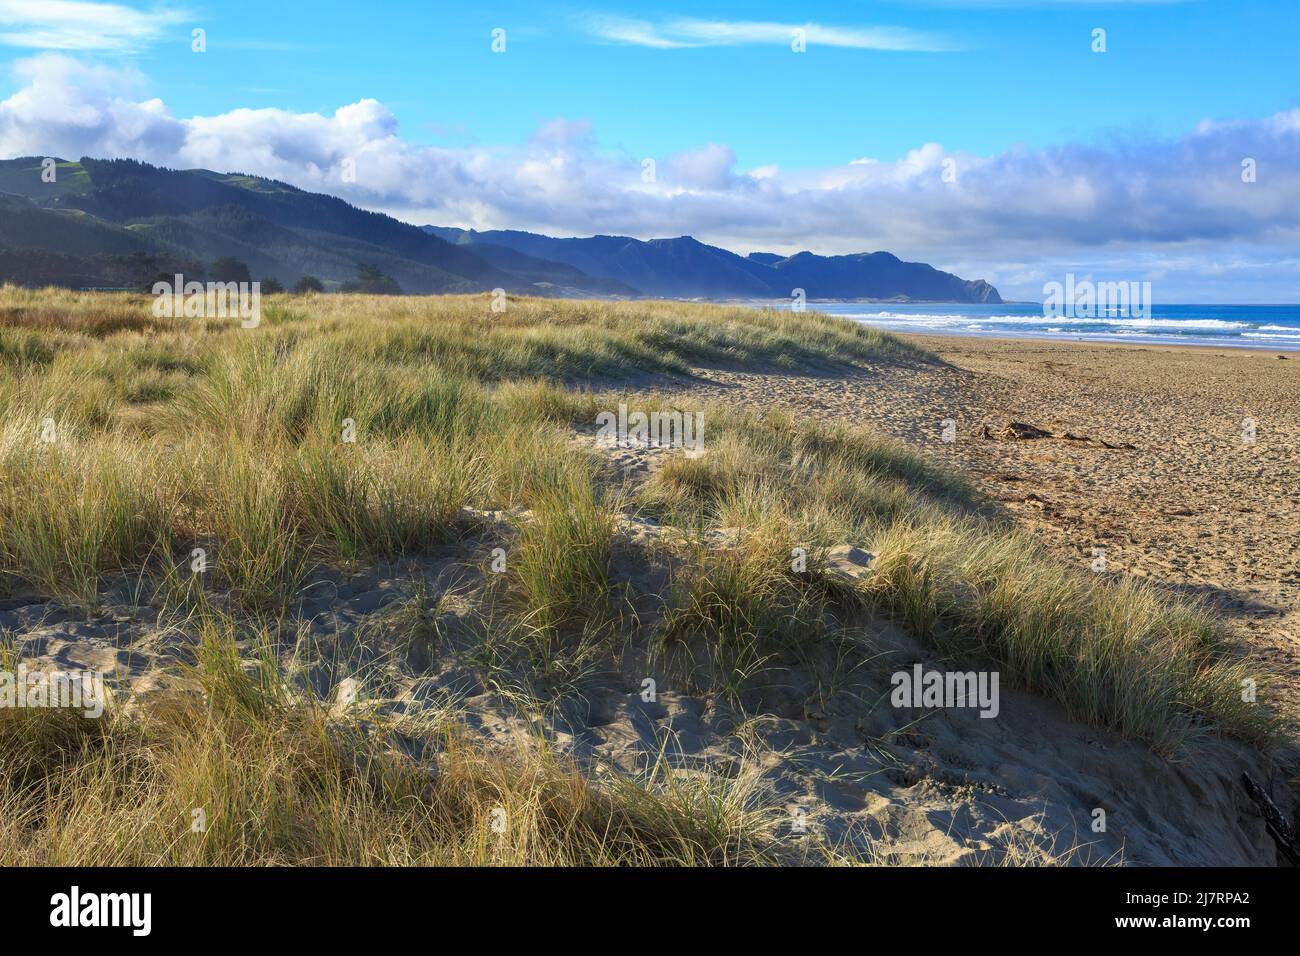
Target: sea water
(1275, 327)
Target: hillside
(121, 223)
(687, 268)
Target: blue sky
(838, 149)
(1017, 74)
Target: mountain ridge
(684, 267)
(122, 223)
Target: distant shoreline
(938, 340)
(1243, 327)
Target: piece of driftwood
(1022, 431)
(1278, 826)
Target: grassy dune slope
(129, 442)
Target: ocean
(1273, 327)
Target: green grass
(561, 561)
(351, 430)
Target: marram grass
(348, 430)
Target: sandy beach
(1192, 504)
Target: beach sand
(1192, 504)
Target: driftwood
(1278, 826)
(1023, 432)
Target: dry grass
(231, 766)
(1115, 652)
(129, 442)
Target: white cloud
(706, 168)
(82, 25)
(686, 32)
(1172, 207)
(65, 106)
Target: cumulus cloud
(706, 168)
(1166, 206)
(83, 25)
(64, 106)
